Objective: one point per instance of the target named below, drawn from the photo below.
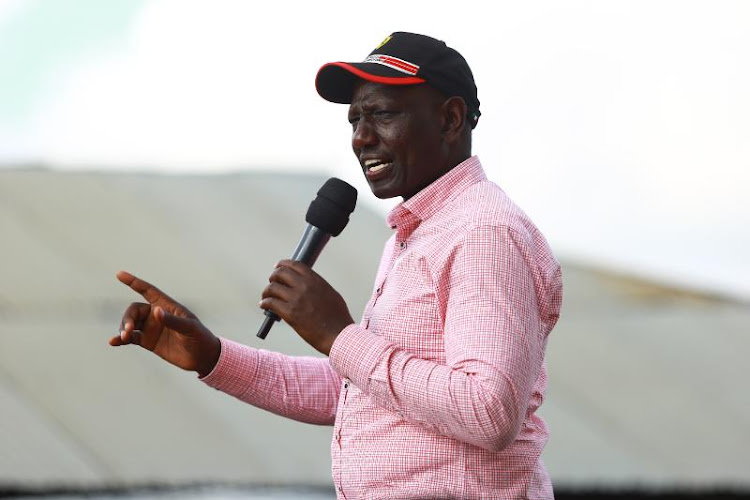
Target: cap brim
(335, 81)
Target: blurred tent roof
(647, 383)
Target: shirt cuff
(356, 354)
(237, 363)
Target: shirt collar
(431, 199)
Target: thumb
(185, 326)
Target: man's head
(412, 118)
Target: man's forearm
(478, 404)
(301, 388)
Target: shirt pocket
(407, 312)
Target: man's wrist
(209, 362)
(332, 336)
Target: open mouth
(374, 166)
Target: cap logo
(394, 63)
(387, 39)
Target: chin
(388, 188)
(385, 192)
(384, 195)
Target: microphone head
(330, 210)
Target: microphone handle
(310, 245)
(308, 250)
(268, 322)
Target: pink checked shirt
(433, 395)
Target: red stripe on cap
(388, 80)
(406, 66)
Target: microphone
(327, 216)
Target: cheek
(423, 147)
(411, 143)
(395, 139)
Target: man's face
(396, 135)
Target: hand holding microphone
(295, 292)
(299, 295)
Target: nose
(363, 134)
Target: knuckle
(276, 275)
(300, 266)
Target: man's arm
(300, 388)
(494, 343)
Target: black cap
(403, 59)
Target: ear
(454, 112)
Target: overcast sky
(622, 128)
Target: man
(434, 393)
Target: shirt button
(346, 385)
(402, 245)
(378, 290)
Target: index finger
(146, 289)
(295, 265)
